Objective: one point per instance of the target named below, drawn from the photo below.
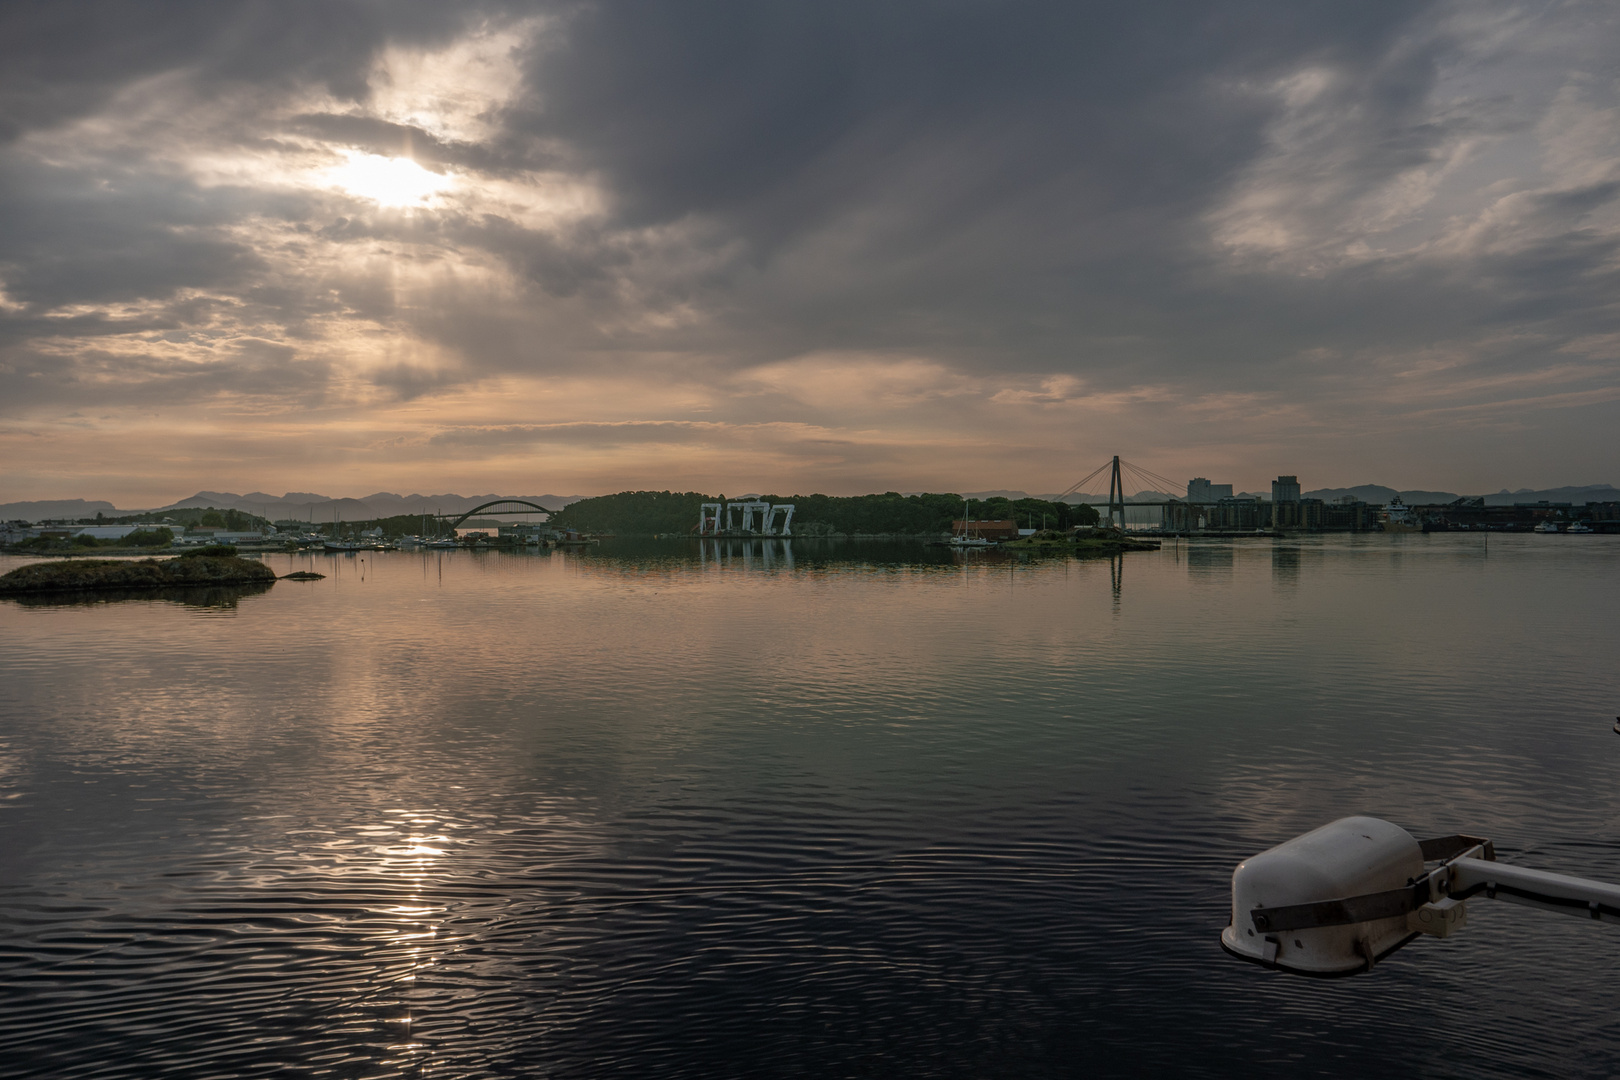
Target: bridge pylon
(1116, 494)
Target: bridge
(1118, 469)
(530, 508)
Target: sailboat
(439, 543)
(962, 539)
(337, 543)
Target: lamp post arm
(1536, 888)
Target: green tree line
(647, 512)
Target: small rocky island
(208, 567)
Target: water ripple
(653, 811)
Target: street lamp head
(1340, 898)
(1353, 856)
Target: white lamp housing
(1340, 898)
(1350, 857)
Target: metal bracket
(1455, 846)
(1370, 907)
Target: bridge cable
(1072, 488)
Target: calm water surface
(658, 810)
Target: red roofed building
(990, 530)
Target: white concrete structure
(745, 516)
(748, 510)
(709, 518)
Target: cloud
(901, 245)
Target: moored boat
(1397, 517)
(963, 539)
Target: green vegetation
(141, 538)
(646, 512)
(78, 575)
(398, 525)
(147, 538)
(634, 512)
(906, 515)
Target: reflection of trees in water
(198, 596)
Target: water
(657, 810)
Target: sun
(389, 181)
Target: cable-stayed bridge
(1119, 471)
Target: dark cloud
(70, 237)
(1301, 202)
(986, 179)
(727, 106)
(61, 61)
(243, 374)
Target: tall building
(1285, 506)
(1237, 514)
(1200, 490)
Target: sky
(729, 245)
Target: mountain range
(1372, 493)
(294, 505)
(308, 506)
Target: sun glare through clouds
(388, 181)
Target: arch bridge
(533, 508)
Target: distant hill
(1576, 495)
(1377, 493)
(57, 508)
(1381, 495)
(1148, 496)
(309, 506)
(295, 504)
(320, 508)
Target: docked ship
(1397, 517)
